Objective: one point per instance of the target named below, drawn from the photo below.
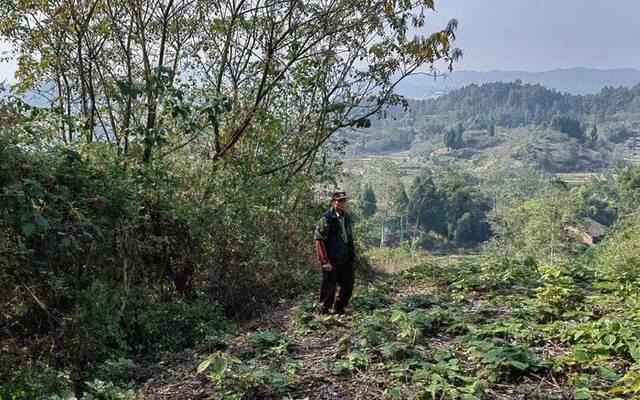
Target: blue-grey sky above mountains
(533, 35)
(540, 35)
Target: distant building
(588, 231)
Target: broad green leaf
(634, 350)
(41, 221)
(582, 394)
(28, 229)
(602, 350)
(608, 374)
(582, 356)
(219, 366)
(204, 365)
(519, 365)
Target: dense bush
(618, 258)
(568, 125)
(177, 325)
(99, 256)
(34, 382)
(451, 205)
(538, 228)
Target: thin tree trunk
(153, 98)
(92, 100)
(60, 113)
(68, 99)
(83, 86)
(127, 112)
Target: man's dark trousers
(341, 275)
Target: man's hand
(327, 267)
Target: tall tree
(269, 80)
(367, 201)
(537, 228)
(453, 137)
(450, 139)
(592, 136)
(426, 205)
(391, 198)
(568, 125)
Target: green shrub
(237, 380)
(373, 330)
(412, 325)
(558, 294)
(100, 390)
(117, 256)
(608, 336)
(369, 300)
(352, 362)
(396, 351)
(420, 301)
(178, 324)
(270, 344)
(95, 324)
(117, 369)
(447, 377)
(618, 257)
(501, 358)
(36, 381)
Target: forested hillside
(608, 118)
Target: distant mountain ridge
(573, 80)
(577, 81)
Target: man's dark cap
(338, 195)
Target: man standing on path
(336, 254)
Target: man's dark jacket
(338, 251)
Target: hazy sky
(538, 35)
(6, 69)
(534, 35)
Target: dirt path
(176, 378)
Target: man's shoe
(340, 311)
(323, 311)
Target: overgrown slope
(469, 330)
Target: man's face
(340, 205)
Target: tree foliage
(426, 205)
(153, 78)
(618, 260)
(492, 130)
(173, 161)
(451, 205)
(453, 137)
(367, 201)
(509, 105)
(537, 228)
(568, 125)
